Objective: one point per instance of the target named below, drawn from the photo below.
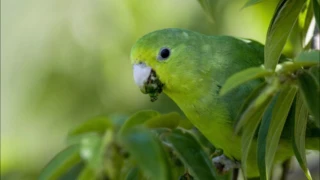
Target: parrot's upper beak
(145, 77)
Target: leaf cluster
(290, 93)
(147, 145)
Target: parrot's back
(232, 56)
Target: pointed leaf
(315, 72)
(209, 8)
(249, 131)
(134, 174)
(305, 18)
(73, 172)
(309, 56)
(147, 152)
(90, 150)
(191, 154)
(170, 120)
(251, 118)
(87, 174)
(251, 2)
(186, 124)
(138, 119)
(253, 95)
(310, 93)
(291, 67)
(257, 105)
(97, 124)
(299, 134)
(243, 76)
(61, 163)
(110, 152)
(316, 9)
(279, 116)
(262, 139)
(280, 27)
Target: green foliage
(304, 21)
(191, 154)
(262, 139)
(121, 153)
(250, 121)
(279, 115)
(61, 163)
(310, 93)
(316, 9)
(152, 161)
(251, 2)
(244, 76)
(151, 145)
(299, 132)
(280, 27)
(283, 81)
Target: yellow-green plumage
(192, 75)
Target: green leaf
(90, 150)
(249, 131)
(147, 152)
(310, 93)
(305, 18)
(251, 2)
(191, 154)
(97, 124)
(138, 118)
(316, 9)
(252, 96)
(61, 163)
(280, 27)
(243, 76)
(251, 118)
(186, 124)
(305, 59)
(73, 172)
(279, 116)
(87, 174)
(257, 105)
(209, 7)
(133, 174)
(113, 156)
(299, 134)
(291, 67)
(101, 154)
(309, 56)
(170, 120)
(262, 139)
(315, 72)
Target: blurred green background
(65, 61)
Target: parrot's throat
(153, 86)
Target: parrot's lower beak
(146, 78)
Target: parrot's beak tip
(146, 78)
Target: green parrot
(191, 68)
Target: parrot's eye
(163, 54)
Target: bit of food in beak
(147, 80)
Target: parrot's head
(162, 61)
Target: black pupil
(165, 53)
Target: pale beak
(146, 78)
(141, 74)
